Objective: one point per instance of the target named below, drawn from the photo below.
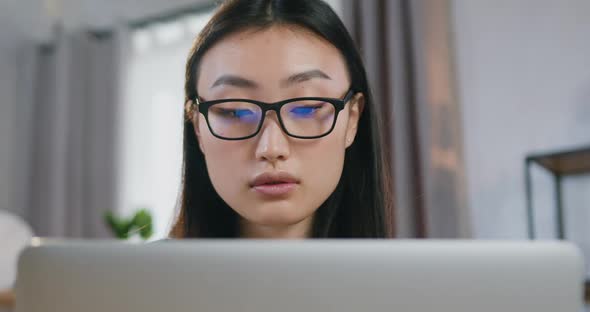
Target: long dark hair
(361, 206)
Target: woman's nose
(273, 143)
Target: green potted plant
(124, 228)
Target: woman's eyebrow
(241, 82)
(304, 76)
(235, 81)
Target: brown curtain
(407, 50)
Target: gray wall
(524, 83)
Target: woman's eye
(305, 111)
(239, 113)
(236, 113)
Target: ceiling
(33, 19)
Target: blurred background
(91, 112)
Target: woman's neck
(299, 230)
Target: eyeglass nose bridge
(275, 107)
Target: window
(151, 119)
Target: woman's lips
(278, 189)
(274, 183)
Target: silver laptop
(301, 276)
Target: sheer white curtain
(150, 154)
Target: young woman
(281, 138)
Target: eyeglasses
(303, 118)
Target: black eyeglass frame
(203, 107)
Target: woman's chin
(275, 220)
(275, 216)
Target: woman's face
(273, 181)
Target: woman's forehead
(272, 55)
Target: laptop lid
(311, 275)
